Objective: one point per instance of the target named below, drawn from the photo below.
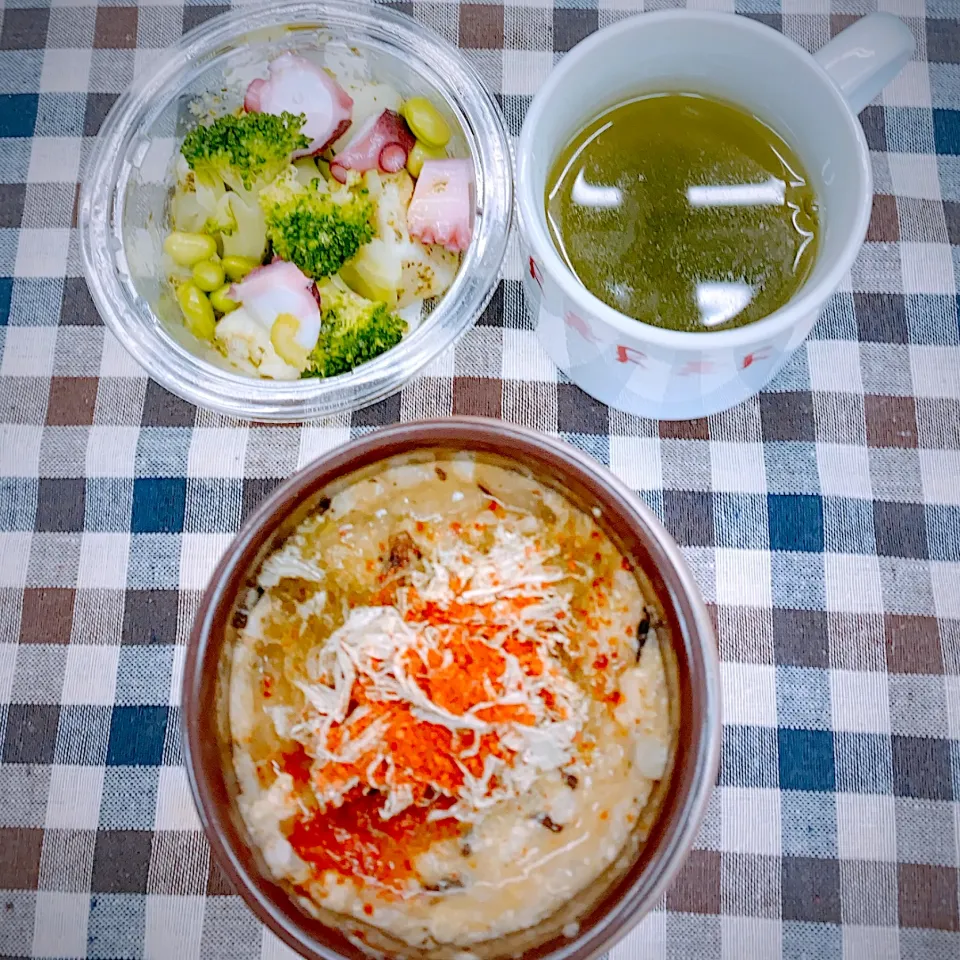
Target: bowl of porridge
(452, 692)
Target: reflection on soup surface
(684, 212)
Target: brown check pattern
(821, 518)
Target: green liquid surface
(684, 212)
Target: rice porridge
(448, 703)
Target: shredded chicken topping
(452, 693)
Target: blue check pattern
(821, 519)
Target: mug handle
(865, 57)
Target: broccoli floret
(314, 228)
(353, 330)
(245, 151)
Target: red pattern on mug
(576, 322)
(762, 354)
(696, 366)
(535, 273)
(631, 355)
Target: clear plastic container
(123, 215)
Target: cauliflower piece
(247, 344)
(394, 267)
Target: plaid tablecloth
(822, 520)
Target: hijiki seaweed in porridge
(448, 703)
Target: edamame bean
(221, 300)
(187, 249)
(236, 268)
(425, 121)
(197, 310)
(208, 275)
(421, 152)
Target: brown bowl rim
(631, 896)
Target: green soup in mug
(684, 212)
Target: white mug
(811, 101)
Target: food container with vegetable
(298, 210)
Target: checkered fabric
(822, 520)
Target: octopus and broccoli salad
(449, 704)
(311, 225)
